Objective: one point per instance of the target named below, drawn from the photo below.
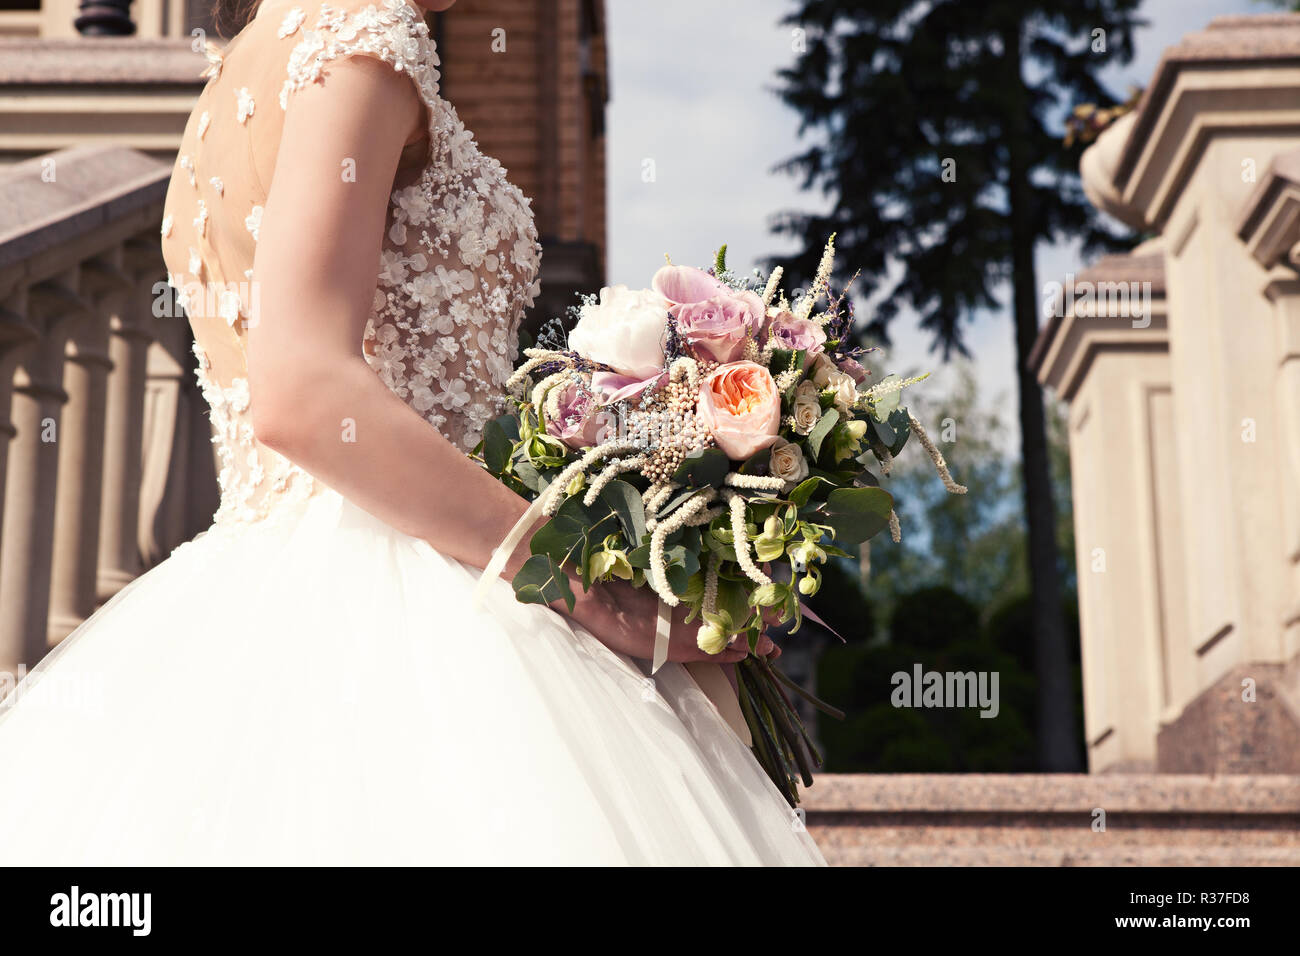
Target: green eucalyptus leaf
(856, 513)
(527, 472)
(510, 425)
(542, 581)
(497, 448)
(804, 490)
(882, 432)
(902, 426)
(702, 468)
(821, 430)
(733, 600)
(883, 406)
(626, 503)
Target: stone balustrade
(105, 458)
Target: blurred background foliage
(953, 595)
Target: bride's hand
(623, 619)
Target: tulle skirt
(319, 689)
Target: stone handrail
(96, 395)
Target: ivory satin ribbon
(707, 675)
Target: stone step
(1055, 856)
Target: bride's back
(459, 255)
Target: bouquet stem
(782, 745)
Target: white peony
(624, 330)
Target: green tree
(936, 128)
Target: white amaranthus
(754, 482)
(740, 540)
(555, 491)
(936, 456)
(611, 471)
(711, 584)
(773, 284)
(535, 357)
(678, 519)
(881, 389)
(655, 496)
(821, 283)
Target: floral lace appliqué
(246, 470)
(460, 256)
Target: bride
(310, 681)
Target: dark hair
(231, 16)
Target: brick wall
(529, 78)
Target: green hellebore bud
(711, 638)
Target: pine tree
(936, 128)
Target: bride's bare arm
(316, 265)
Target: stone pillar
(119, 553)
(81, 457)
(1285, 295)
(1107, 356)
(162, 490)
(1209, 161)
(26, 551)
(1270, 228)
(17, 336)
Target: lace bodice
(459, 258)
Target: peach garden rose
(741, 407)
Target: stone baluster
(81, 454)
(166, 432)
(16, 335)
(128, 348)
(26, 550)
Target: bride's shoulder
(390, 30)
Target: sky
(693, 111)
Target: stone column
(1285, 294)
(17, 335)
(128, 349)
(81, 457)
(26, 551)
(1270, 228)
(162, 492)
(1106, 354)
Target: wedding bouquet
(710, 440)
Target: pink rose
(682, 285)
(612, 387)
(741, 407)
(853, 369)
(580, 423)
(718, 327)
(787, 332)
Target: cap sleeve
(393, 32)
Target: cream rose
(807, 409)
(844, 389)
(788, 463)
(806, 416)
(625, 330)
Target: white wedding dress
(302, 683)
